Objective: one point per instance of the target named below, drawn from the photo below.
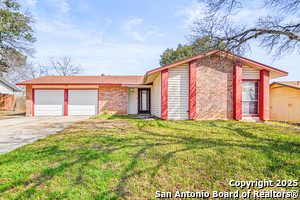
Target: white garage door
(178, 93)
(83, 102)
(48, 102)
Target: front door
(144, 101)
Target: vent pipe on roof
(298, 83)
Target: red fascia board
(223, 52)
(257, 63)
(70, 84)
(67, 88)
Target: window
(250, 98)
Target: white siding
(132, 101)
(178, 92)
(157, 96)
(4, 89)
(151, 101)
(250, 73)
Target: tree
(198, 46)
(63, 66)
(16, 35)
(276, 32)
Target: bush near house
(128, 158)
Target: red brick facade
(214, 89)
(29, 102)
(113, 99)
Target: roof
(291, 84)
(15, 88)
(84, 80)
(275, 72)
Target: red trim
(66, 99)
(138, 103)
(264, 95)
(250, 115)
(164, 94)
(237, 91)
(73, 84)
(182, 61)
(257, 63)
(192, 89)
(223, 52)
(65, 88)
(33, 102)
(98, 103)
(250, 79)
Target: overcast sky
(126, 37)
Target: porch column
(164, 94)
(237, 91)
(192, 89)
(264, 95)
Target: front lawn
(126, 158)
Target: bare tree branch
(65, 66)
(275, 32)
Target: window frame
(248, 114)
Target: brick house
(215, 85)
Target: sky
(118, 37)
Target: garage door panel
(49, 102)
(82, 102)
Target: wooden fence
(12, 102)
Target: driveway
(20, 131)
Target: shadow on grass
(145, 137)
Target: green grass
(285, 124)
(127, 158)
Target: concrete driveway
(20, 131)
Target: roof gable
(291, 84)
(15, 88)
(251, 63)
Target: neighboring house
(8, 88)
(285, 101)
(7, 95)
(194, 88)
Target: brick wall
(113, 99)
(214, 89)
(7, 102)
(29, 102)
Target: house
(8, 98)
(285, 101)
(8, 88)
(199, 88)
